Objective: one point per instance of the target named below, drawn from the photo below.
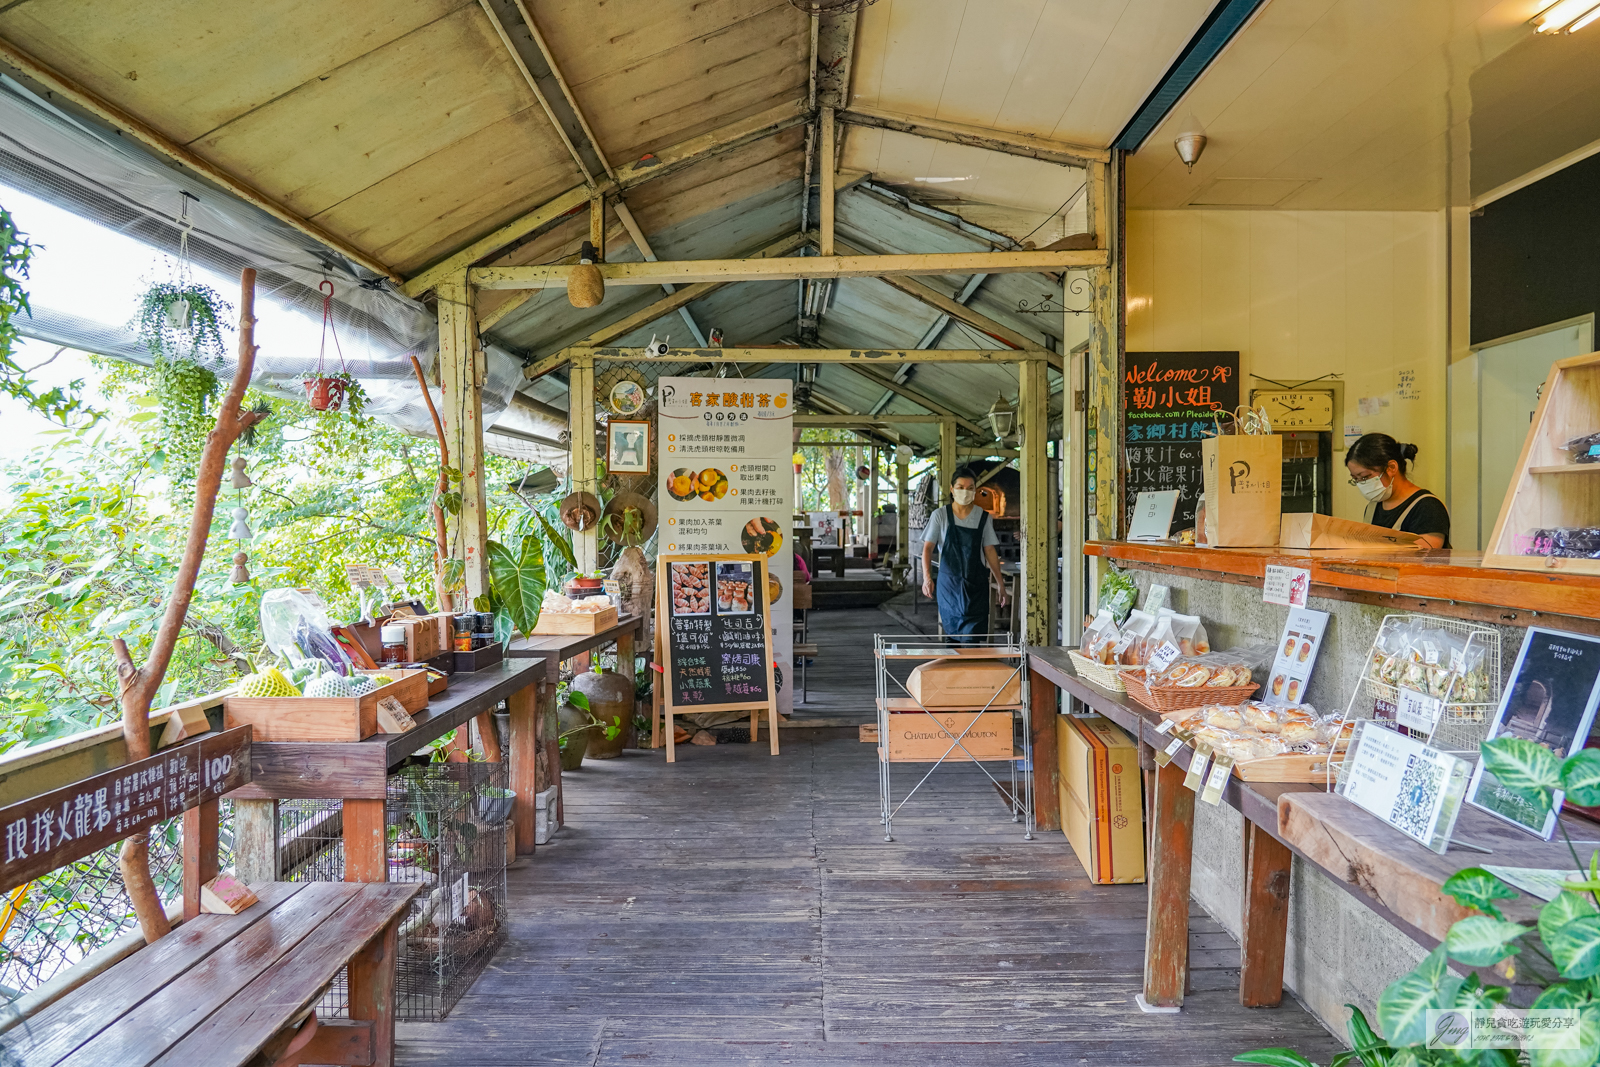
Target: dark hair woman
(965, 538)
(1377, 464)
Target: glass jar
(393, 640)
(463, 626)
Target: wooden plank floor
(741, 909)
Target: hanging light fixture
(1189, 146)
(1002, 417)
(585, 285)
(1569, 15)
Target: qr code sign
(1419, 796)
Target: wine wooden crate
(325, 718)
(1549, 490)
(575, 622)
(923, 738)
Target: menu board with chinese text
(715, 639)
(1168, 401)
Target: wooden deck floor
(741, 909)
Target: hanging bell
(241, 528)
(240, 574)
(239, 479)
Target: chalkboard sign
(1168, 402)
(716, 638)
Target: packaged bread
(1131, 648)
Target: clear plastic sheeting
(115, 183)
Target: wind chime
(241, 531)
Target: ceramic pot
(611, 701)
(577, 746)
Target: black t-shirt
(1430, 516)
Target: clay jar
(575, 726)
(610, 696)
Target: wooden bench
(219, 990)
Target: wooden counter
(1441, 583)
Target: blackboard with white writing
(716, 638)
(1168, 403)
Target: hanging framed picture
(628, 446)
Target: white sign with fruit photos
(1297, 655)
(726, 485)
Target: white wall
(1300, 294)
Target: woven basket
(1165, 700)
(1107, 678)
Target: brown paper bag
(1244, 494)
(1305, 530)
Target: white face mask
(964, 496)
(1374, 489)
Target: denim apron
(963, 589)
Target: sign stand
(715, 646)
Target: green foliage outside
(57, 404)
(92, 527)
(1559, 954)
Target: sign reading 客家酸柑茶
(55, 828)
(1169, 400)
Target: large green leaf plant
(1560, 953)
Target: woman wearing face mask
(1377, 465)
(965, 537)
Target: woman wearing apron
(1377, 464)
(966, 539)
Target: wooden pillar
(1046, 763)
(1074, 503)
(1106, 349)
(255, 841)
(1166, 937)
(826, 166)
(1033, 415)
(200, 825)
(366, 856)
(902, 530)
(626, 643)
(947, 459)
(525, 755)
(461, 375)
(1264, 918)
(872, 508)
(580, 415)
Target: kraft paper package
(1244, 490)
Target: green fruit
(267, 683)
(380, 679)
(327, 685)
(361, 685)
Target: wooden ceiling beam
(688, 272)
(629, 176)
(1011, 144)
(163, 145)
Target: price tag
(1164, 755)
(1162, 658)
(1197, 767)
(1418, 711)
(393, 718)
(1217, 779)
(1166, 726)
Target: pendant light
(585, 286)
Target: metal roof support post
(581, 476)
(1033, 417)
(461, 373)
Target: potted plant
(180, 324)
(332, 391)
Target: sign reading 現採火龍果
(1168, 403)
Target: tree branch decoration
(138, 685)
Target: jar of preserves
(463, 626)
(393, 640)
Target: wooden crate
(426, 635)
(583, 623)
(1549, 490)
(325, 719)
(918, 738)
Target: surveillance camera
(656, 348)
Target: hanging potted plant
(179, 324)
(337, 391)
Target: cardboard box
(1102, 798)
(972, 683)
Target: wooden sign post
(713, 615)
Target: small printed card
(1197, 767)
(393, 718)
(1416, 789)
(1220, 769)
(1162, 658)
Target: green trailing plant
(180, 324)
(1559, 954)
(57, 404)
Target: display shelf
(1536, 507)
(947, 742)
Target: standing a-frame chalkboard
(713, 615)
(1169, 400)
